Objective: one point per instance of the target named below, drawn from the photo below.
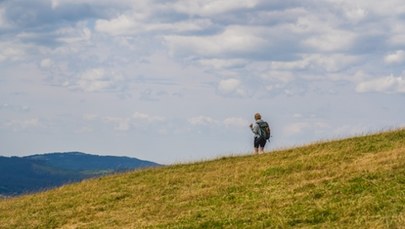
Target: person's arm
(255, 128)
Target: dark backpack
(264, 130)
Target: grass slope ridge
(351, 183)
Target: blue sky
(177, 80)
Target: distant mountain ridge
(19, 175)
(78, 161)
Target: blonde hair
(258, 116)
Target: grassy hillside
(351, 183)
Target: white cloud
(125, 123)
(14, 107)
(323, 31)
(330, 62)
(148, 118)
(136, 23)
(331, 40)
(227, 122)
(79, 33)
(291, 65)
(388, 84)
(120, 124)
(235, 122)
(395, 58)
(397, 35)
(134, 17)
(273, 87)
(356, 14)
(182, 26)
(236, 40)
(46, 63)
(138, 119)
(212, 7)
(326, 62)
(103, 3)
(397, 39)
(384, 8)
(90, 117)
(55, 3)
(3, 21)
(231, 86)
(120, 25)
(295, 128)
(94, 80)
(130, 25)
(279, 76)
(202, 121)
(23, 124)
(297, 115)
(220, 64)
(97, 80)
(12, 51)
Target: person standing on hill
(261, 131)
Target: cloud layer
(173, 66)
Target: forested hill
(34, 173)
(78, 161)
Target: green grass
(350, 183)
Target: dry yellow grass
(350, 183)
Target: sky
(174, 81)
